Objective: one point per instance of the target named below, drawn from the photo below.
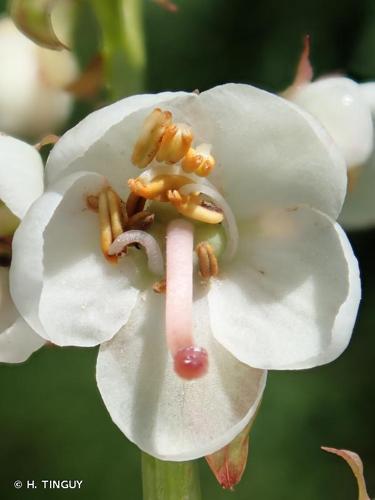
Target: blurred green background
(53, 424)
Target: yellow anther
(148, 143)
(158, 187)
(207, 260)
(198, 162)
(114, 204)
(193, 206)
(110, 220)
(175, 143)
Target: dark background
(53, 424)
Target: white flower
(346, 109)
(359, 208)
(279, 285)
(33, 101)
(21, 182)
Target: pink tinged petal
(190, 361)
(84, 299)
(17, 340)
(268, 151)
(228, 464)
(21, 175)
(290, 298)
(87, 145)
(355, 463)
(337, 103)
(164, 415)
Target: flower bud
(228, 464)
(33, 101)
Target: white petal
(359, 208)
(85, 299)
(339, 105)
(269, 152)
(17, 339)
(26, 271)
(165, 416)
(290, 299)
(367, 91)
(74, 144)
(21, 175)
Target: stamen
(207, 261)
(158, 187)
(191, 206)
(114, 204)
(134, 204)
(110, 219)
(190, 362)
(148, 143)
(105, 225)
(199, 161)
(141, 220)
(175, 143)
(229, 222)
(153, 252)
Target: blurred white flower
(359, 208)
(347, 110)
(33, 101)
(338, 103)
(283, 293)
(21, 182)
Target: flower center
(174, 177)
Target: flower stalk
(169, 480)
(121, 22)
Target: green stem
(169, 480)
(121, 22)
